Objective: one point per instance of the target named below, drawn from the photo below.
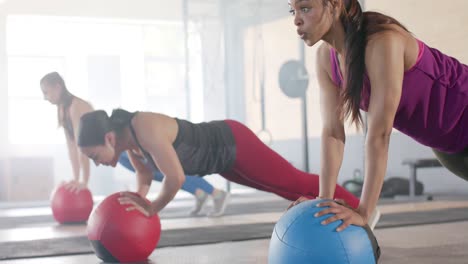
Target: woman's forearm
(144, 179)
(85, 170)
(73, 156)
(143, 189)
(170, 186)
(331, 159)
(376, 166)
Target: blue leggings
(191, 184)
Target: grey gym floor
(433, 243)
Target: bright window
(141, 62)
(31, 119)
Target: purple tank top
(434, 100)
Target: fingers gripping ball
(299, 237)
(71, 207)
(118, 235)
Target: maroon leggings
(260, 167)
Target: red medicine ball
(71, 207)
(118, 235)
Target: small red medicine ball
(118, 235)
(71, 207)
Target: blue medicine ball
(299, 238)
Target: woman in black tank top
(69, 110)
(174, 147)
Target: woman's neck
(335, 37)
(65, 99)
(127, 141)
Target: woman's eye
(303, 10)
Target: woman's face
(51, 92)
(313, 19)
(104, 154)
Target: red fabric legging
(260, 167)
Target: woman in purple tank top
(369, 61)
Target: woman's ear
(110, 139)
(335, 7)
(57, 87)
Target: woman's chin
(309, 42)
(114, 163)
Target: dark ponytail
(358, 26)
(95, 125)
(119, 119)
(355, 45)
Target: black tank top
(203, 148)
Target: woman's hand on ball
(298, 201)
(136, 202)
(340, 211)
(75, 186)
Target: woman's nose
(297, 20)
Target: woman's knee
(455, 163)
